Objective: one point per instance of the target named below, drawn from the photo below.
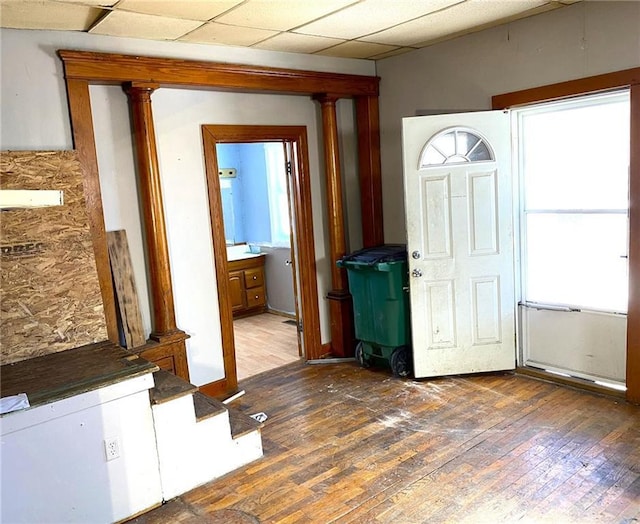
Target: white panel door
(458, 200)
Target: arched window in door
(458, 145)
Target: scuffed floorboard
(349, 445)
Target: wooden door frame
(306, 265)
(628, 78)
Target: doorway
(573, 159)
(260, 245)
(287, 143)
(571, 294)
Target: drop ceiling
(370, 29)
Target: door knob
(416, 273)
(415, 255)
(287, 262)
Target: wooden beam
(369, 169)
(84, 143)
(340, 302)
(116, 69)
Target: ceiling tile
(191, 10)
(214, 33)
(295, 43)
(454, 20)
(94, 3)
(280, 15)
(356, 49)
(136, 25)
(24, 14)
(395, 52)
(370, 16)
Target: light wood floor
(348, 445)
(263, 342)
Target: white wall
(584, 39)
(34, 115)
(54, 467)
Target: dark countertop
(68, 373)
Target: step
(169, 387)
(241, 424)
(207, 407)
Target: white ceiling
(370, 29)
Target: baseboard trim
(575, 382)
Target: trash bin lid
(378, 254)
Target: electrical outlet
(112, 448)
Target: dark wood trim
(153, 209)
(84, 143)
(219, 389)
(301, 194)
(616, 80)
(173, 351)
(369, 170)
(340, 303)
(83, 68)
(633, 314)
(110, 68)
(567, 89)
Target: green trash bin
(379, 284)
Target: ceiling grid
(368, 29)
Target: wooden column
(340, 303)
(165, 331)
(370, 171)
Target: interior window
(574, 165)
(278, 197)
(455, 146)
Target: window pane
(577, 260)
(432, 157)
(480, 153)
(578, 157)
(457, 146)
(446, 144)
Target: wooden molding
(153, 209)
(83, 68)
(117, 68)
(633, 313)
(370, 170)
(333, 179)
(84, 143)
(609, 81)
(169, 353)
(301, 195)
(571, 88)
(340, 304)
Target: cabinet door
(236, 290)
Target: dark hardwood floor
(349, 445)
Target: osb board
(50, 292)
